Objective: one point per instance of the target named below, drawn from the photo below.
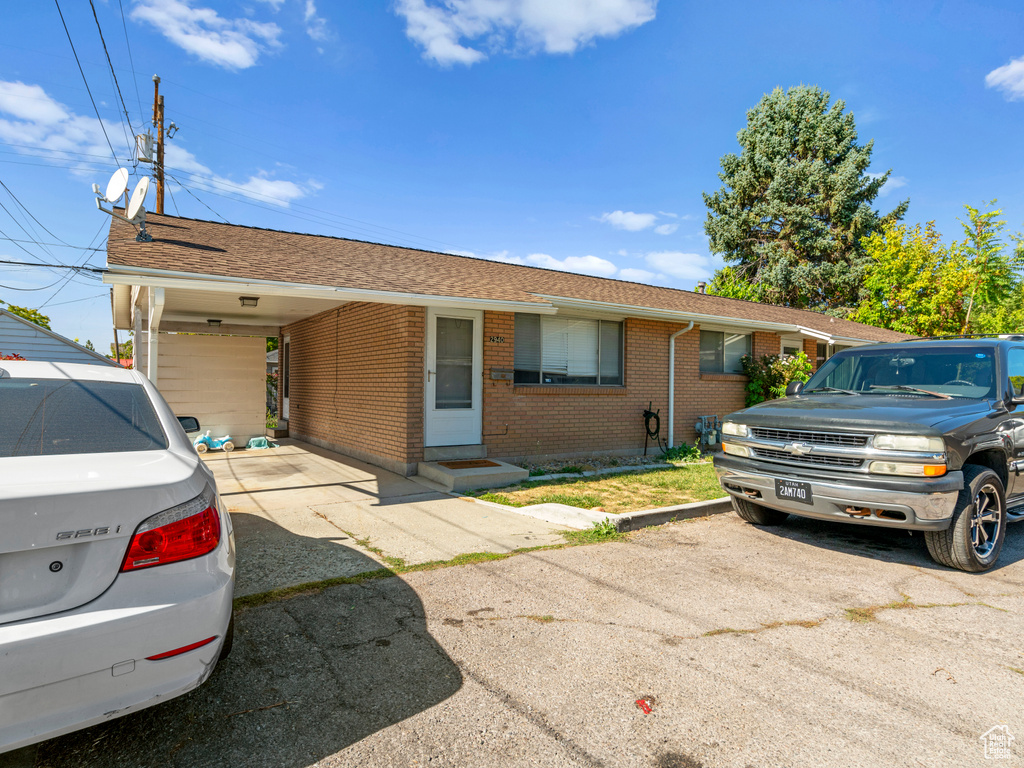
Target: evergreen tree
(795, 204)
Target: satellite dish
(117, 185)
(138, 198)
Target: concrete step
(454, 452)
(456, 478)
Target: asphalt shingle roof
(227, 250)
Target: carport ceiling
(199, 306)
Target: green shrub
(682, 452)
(768, 377)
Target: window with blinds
(567, 350)
(721, 352)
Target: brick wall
(537, 420)
(357, 382)
(811, 350)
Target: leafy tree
(272, 342)
(796, 203)
(89, 345)
(915, 284)
(32, 315)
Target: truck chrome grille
(811, 438)
(811, 460)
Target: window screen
(721, 352)
(49, 417)
(567, 350)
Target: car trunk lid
(67, 522)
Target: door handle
(431, 373)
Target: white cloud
(1009, 79)
(183, 165)
(629, 221)
(516, 25)
(316, 25)
(30, 102)
(639, 275)
(666, 229)
(684, 266)
(228, 43)
(891, 185)
(586, 265)
(35, 120)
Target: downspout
(672, 382)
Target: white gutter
(672, 382)
(157, 278)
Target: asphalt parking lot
(704, 643)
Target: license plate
(792, 490)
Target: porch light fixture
(248, 301)
(213, 323)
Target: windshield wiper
(830, 389)
(908, 388)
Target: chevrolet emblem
(799, 449)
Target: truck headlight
(735, 430)
(912, 470)
(919, 443)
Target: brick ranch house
(395, 356)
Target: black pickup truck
(925, 435)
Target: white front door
(284, 366)
(454, 382)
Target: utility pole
(158, 124)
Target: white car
(117, 556)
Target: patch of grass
(497, 498)
(870, 613)
(763, 627)
(537, 472)
(309, 588)
(597, 533)
(569, 469)
(540, 619)
(616, 494)
(682, 453)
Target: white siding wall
(34, 343)
(221, 380)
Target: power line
(26, 210)
(180, 184)
(131, 61)
(87, 298)
(52, 245)
(86, 255)
(113, 74)
(84, 80)
(100, 270)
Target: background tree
(33, 315)
(795, 204)
(915, 284)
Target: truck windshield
(49, 417)
(955, 371)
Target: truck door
(1015, 370)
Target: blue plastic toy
(205, 443)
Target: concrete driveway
(294, 507)
(709, 643)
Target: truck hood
(863, 413)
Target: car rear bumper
(79, 668)
(924, 505)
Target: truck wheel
(756, 514)
(975, 535)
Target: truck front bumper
(922, 505)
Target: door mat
(468, 464)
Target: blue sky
(574, 134)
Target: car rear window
(49, 417)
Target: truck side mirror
(794, 388)
(189, 423)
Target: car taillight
(180, 533)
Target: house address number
(497, 339)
